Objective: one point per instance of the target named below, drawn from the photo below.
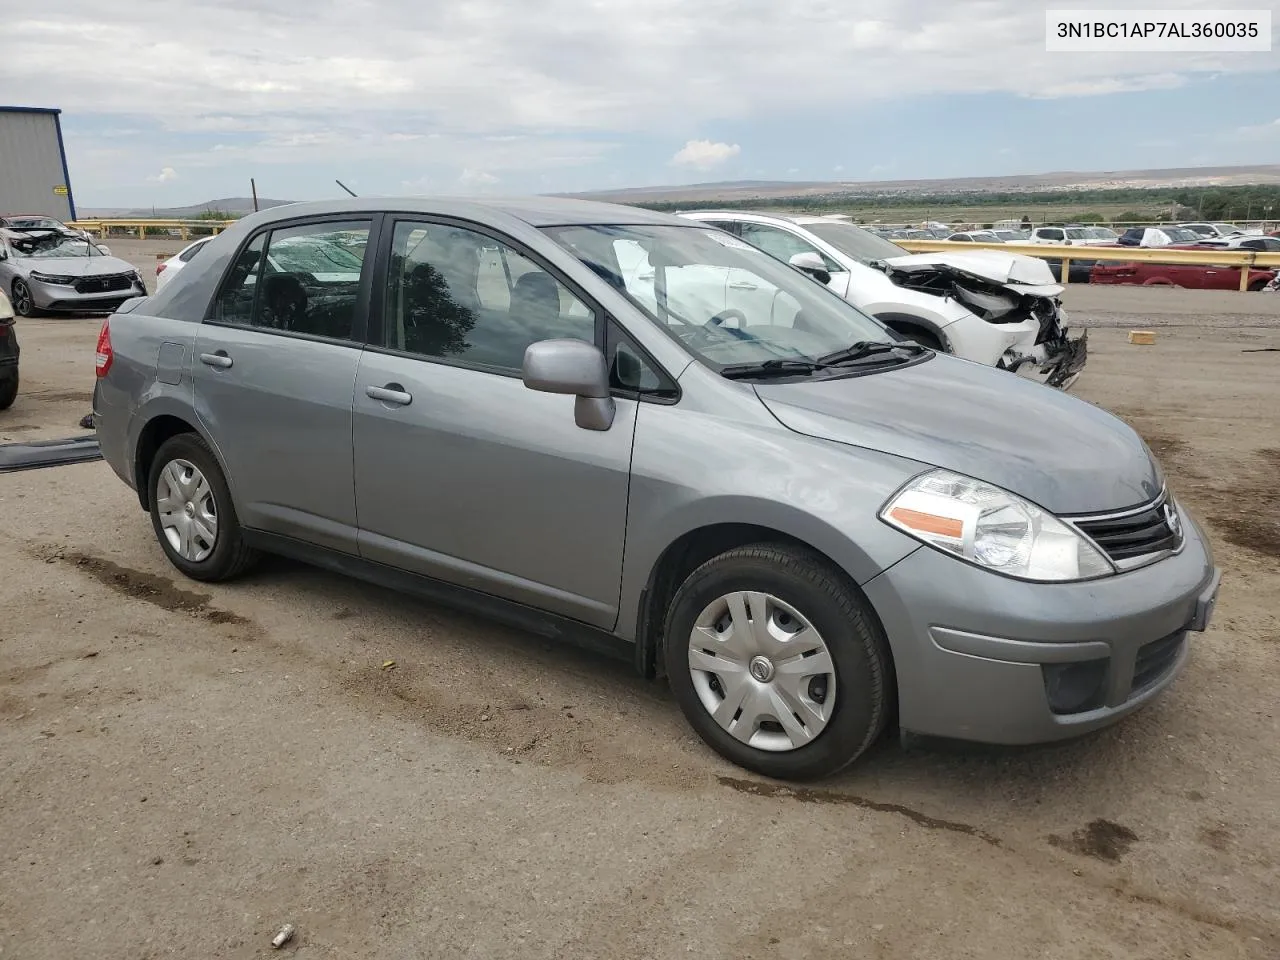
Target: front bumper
(981, 657)
(60, 298)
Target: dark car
(8, 355)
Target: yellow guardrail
(185, 228)
(1242, 260)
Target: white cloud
(704, 154)
(165, 175)
(476, 179)
(1261, 131)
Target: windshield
(319, 255)
(1011, 236)
(861, 245)
(1101, 233)
(34, 223)
(1178, 235)
(54, 247)
(1203, 229)
(725, 301)
(1077, 233)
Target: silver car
(806, 525)
(60, 271)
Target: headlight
(56, 280)
(992, 528)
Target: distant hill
(236, 206)
(1182, 177)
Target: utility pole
(253, 188)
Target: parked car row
(642, 430)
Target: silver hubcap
(188, 512)
(762, 671)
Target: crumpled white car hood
(1018, 272)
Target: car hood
(74, 266)
(1016, 271)
(1055, 450)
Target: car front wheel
(8, 390)
(192, 513)
(24, 304)
(778, 662)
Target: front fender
(819, 492)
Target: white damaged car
(994, 308)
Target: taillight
(103, 356)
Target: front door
(461, 472)
(274, 369)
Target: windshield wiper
(770, 368)
(868, 348)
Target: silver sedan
(62, 271)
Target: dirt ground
(185, 768)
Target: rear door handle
(739, 285)
(219, 359)
(391, 393)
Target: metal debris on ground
(284, 936)
(1142, 337)
(388, 664)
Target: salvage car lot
(189, 767)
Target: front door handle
(740, 285)
(219, 359)
(391, 393)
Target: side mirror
(104, 249)
(575, 368)
(811, 264)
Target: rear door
(461, 472)
(275, 366)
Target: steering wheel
(724, 315)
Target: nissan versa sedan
(807, 525)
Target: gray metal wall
(31, 165)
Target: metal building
(33, 164)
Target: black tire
(24, 304)
(230, 556)
(850, 629)
(8, 391)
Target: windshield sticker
(728, 240)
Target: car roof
(535, 211)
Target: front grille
(116, 281)
(1155, 659)
(1132, 534)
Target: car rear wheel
(24, 304)
(8, 390)
(192, 513)
(778, 662)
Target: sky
(171, 103)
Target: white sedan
(165, 271)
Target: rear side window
(298, 280)
(1052, 234)
(188, 254)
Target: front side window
(307, 282)
(727, 302)
(782, 244)
(456, 294)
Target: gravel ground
(185, 768)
